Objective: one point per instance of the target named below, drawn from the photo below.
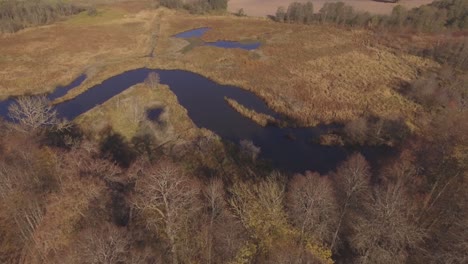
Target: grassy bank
(126, 114)
(259, 118)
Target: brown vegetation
(18, 14)
(133, 191)
(34, 113)
(168, 201)
(259, 118)
(77, 205)
(111, 36)
(345, 78)
(435, 17)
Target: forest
(197, 6)
(16, 15)
(435, 17)
(75, 199)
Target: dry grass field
(312, 74)
(268, 7)
(35, 60)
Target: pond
(193, 33)
(199, 32)
(290, 149)
(154, 114)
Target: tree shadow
(115, 148)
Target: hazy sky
(268, 7)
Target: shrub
(356, 130)
(92, 11)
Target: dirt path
(155, 35)
(268, 7)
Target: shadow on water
(199, 32)
(4, 108)
(63, 90)
(291, 149)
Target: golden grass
(259, 118)
(313, 74)
(331, 140)
(126, 113)
(36, 60)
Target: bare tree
(107, 245)
(312, 206)
(390, 231)
(280, 14)
(28, 218)
(229, 237)
(450, 244)
(259, 206)
(214, 197)
(83, 160)
(152, 80)
(167, 198)
(34, 112)
(10, 178)
(352, 181)
(23, 184)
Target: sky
(268, 7)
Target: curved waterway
(290, 149)
(57, 93)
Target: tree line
(18, 14)
(197, 6)
(434, 17)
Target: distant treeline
(196, 6)
(18, 14)
(437, 16)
